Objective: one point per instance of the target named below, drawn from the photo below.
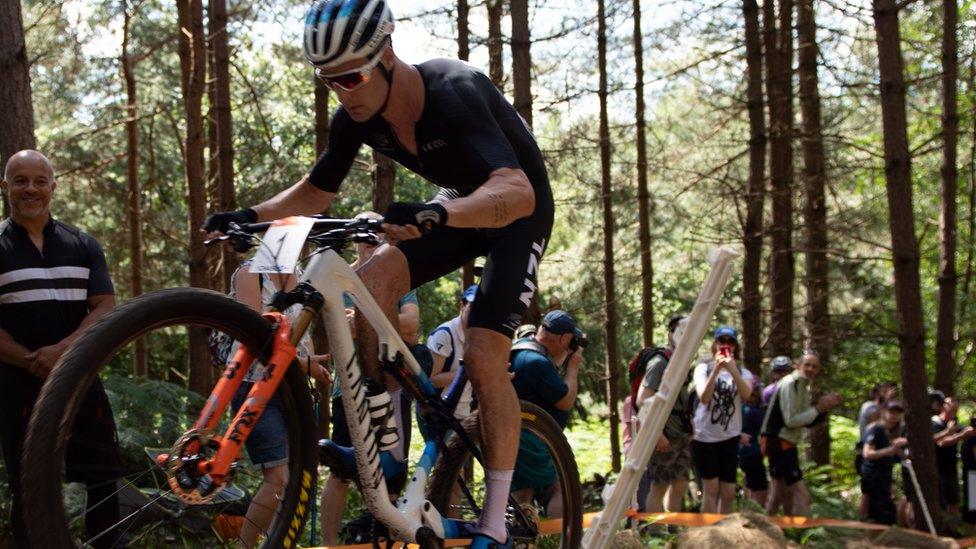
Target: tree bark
(16, 106)
(521, 59)
(384, 177)
(464, 36)
(609, 293)
(140, 365)
(322, 118)
(496, 67)
(752, 231)
(779, 64)
(945, 339)
(219, 39)
(644, 209)
(904, 244)
(193, 70)
(815, 217)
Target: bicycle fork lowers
(202, 462)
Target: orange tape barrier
(682, 519)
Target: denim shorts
(267, 445)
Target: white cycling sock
(397, 451)
(498, 483)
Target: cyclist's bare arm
(302, 198)
(506, 197)
(12, 352)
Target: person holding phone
(721, 386)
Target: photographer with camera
(721, 386)
(538, 380)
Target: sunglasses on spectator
(349, 80)
(726, 340)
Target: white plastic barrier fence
(654, 411)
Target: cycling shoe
(481, 541)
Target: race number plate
(281, 245)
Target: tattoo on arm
(499, 207)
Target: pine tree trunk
(140, 366)
(496, 68)
(521, 59)
(16, 106)
(193, 70)
(225, 130)
(644, 210)
(945, 340)
(463, 37)
(779, 55)
(384, 176)
(464, 50)
(321, 116)
(815, 217)
(752, 231)
(904, 245)
(609, 293)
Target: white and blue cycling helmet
(338, 31)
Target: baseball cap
(469, 293)
(727, 331)
(560, 322)
(781, 364)
(525, 330)
(894, 405)
(936, 395)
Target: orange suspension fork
(282, 355)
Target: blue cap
(469, 293)
(560, 322)
(727, 331)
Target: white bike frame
(329, 273)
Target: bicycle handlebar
(330, 228)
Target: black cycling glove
(220, 221)
(425, 217)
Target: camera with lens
(578, 342)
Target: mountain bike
(205, 454)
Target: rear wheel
(546, 483)
(152, 416)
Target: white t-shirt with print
(448, 342)
(721, 418)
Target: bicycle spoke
(131, 515)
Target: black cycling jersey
(467, 130)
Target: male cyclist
(444, 120)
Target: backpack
(638, 368)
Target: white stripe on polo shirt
(50, 273)
(48, 294)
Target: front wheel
(151, 416)
(546, 483)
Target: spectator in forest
(667, 470)
(780, 367)
(871, 409)
(267, 445)
(337, 484)
(947, 434)
(446, 346)
(791, 411)
(869, 412)
(54, 283)
(968, 453)
(881, 448)
(720, 386)
(538, 380)
(750, 453)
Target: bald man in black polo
(54, 282)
